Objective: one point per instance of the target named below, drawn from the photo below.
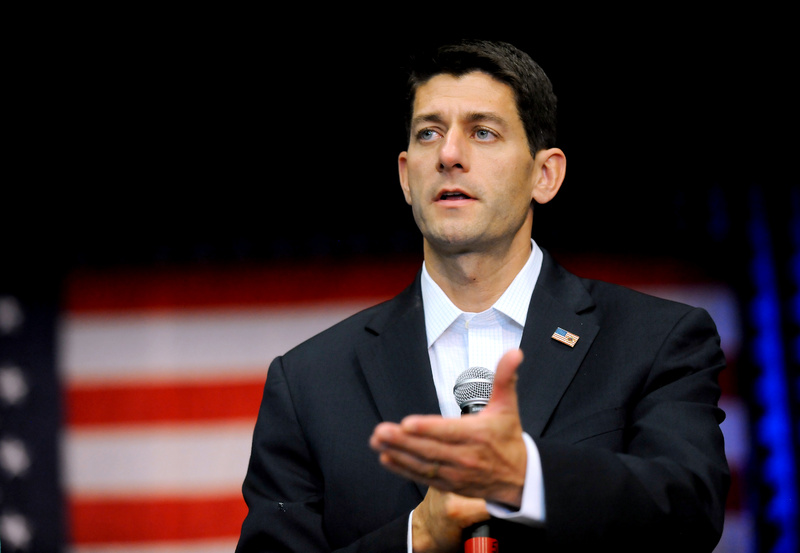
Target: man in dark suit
(605, 433)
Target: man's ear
(402, 169)
(552, 167)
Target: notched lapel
(559, 300)
(396, 365)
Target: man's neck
(474, 281)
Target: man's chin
(456, 243)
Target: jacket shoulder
(608, 292)
(359, 327)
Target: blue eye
(426, 134)
(484, 134)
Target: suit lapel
(559, 300)
(395, 362)
(396, 365)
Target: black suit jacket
(626, 423)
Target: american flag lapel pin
(565, 337)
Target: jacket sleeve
(666, 489)
(283, 487)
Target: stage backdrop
(163, 369)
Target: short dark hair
(533, 91)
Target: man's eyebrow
(426, 118)
(478, 117)
(472, 117)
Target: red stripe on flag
(88, 405)
(90, 290)
(632, 270)
(154, 289)
(148, 520)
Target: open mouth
(450, 196)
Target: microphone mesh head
(474, 386)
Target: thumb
(504, 389)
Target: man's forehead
(467, 95)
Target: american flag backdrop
(162, 374)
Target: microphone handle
(477, 539)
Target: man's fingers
(407, 458)
(423, 432)
(504, 389)
(438, 521)
(411, 466)
(424, 440)
(436, 428)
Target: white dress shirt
(458, 340)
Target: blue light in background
(772, 387)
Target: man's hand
(481, 455)
(438, 521)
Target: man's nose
(454, 152)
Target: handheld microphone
(473, 390)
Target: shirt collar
(440, 312)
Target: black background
(142, 139)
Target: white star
(14, 456)
(15, 530)
(13, 387)
(11, 316)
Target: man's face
(468, 173)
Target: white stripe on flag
(188, 344)
(156, 460)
